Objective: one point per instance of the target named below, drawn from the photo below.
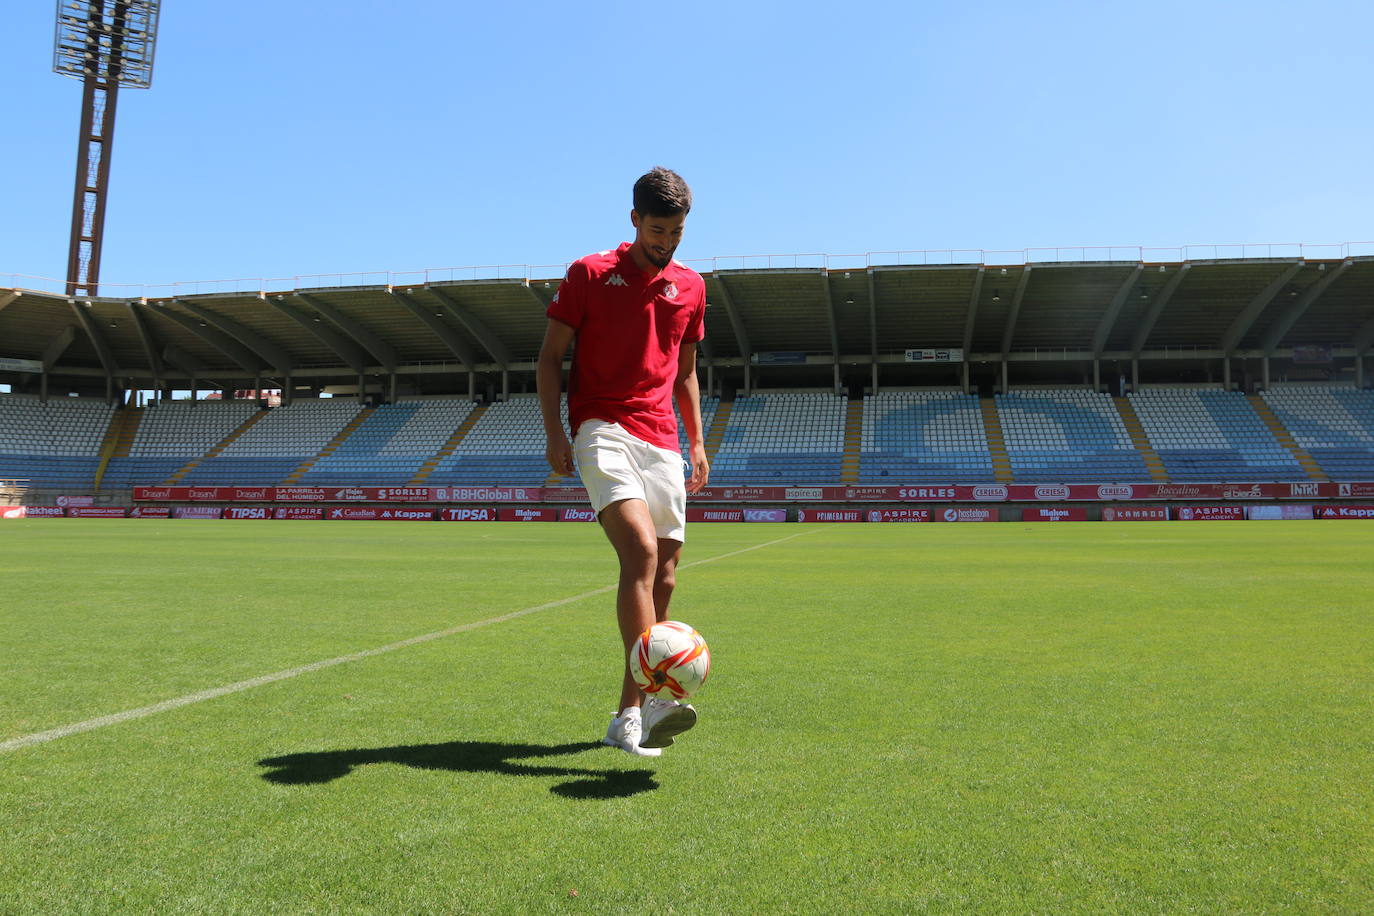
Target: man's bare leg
(630, 529)
(665, 577)
(665, 718)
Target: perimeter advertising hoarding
(1088, 492)
(196, 512)
(488, 494)
(578, 515)
(1273, 513)
(715, 515)
(246, 512)
(563, 495)
(31, 512)
(1046, 514)
(97, 512)
(75, 500)
(830, 515)
(966, 515)
(765, 515)
(150, 512)
(380, 514)
(1209, 513)
(1135, 514)
(899, 515)
(299, 513)
(1345, 512)
(478, 514)
(527, 515)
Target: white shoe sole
(672, 724)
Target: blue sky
(280, 140)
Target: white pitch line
(14, 744)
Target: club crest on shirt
(670, 291)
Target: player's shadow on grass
(465, 757)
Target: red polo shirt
(630, 328)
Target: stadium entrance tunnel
(314, 768)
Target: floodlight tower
(106, 44)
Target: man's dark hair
(662, 192)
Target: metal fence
(1125, 254)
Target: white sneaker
(662, 719)
(624, 733)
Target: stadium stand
(933, 436)
(54, 444)
(1067, 435)
(505, 446)
(1335, 425)
(1212, 435)
(269, 451)
(391, 445)
(708, 417)
(782, 438)
(173, 433)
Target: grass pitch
(1142, 717)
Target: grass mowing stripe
(75, 728)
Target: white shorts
(615, 465)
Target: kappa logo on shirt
(616, 280)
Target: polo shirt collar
(626, 263)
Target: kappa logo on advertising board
(1115, 491)
(408, 515)
(1051, 492)
(1345, 512)
(989, 493)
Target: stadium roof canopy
(804, 321)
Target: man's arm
(688, 395)
(549, 380)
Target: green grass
(1144, 717)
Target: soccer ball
(670, 658)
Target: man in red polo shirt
(636, 315)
